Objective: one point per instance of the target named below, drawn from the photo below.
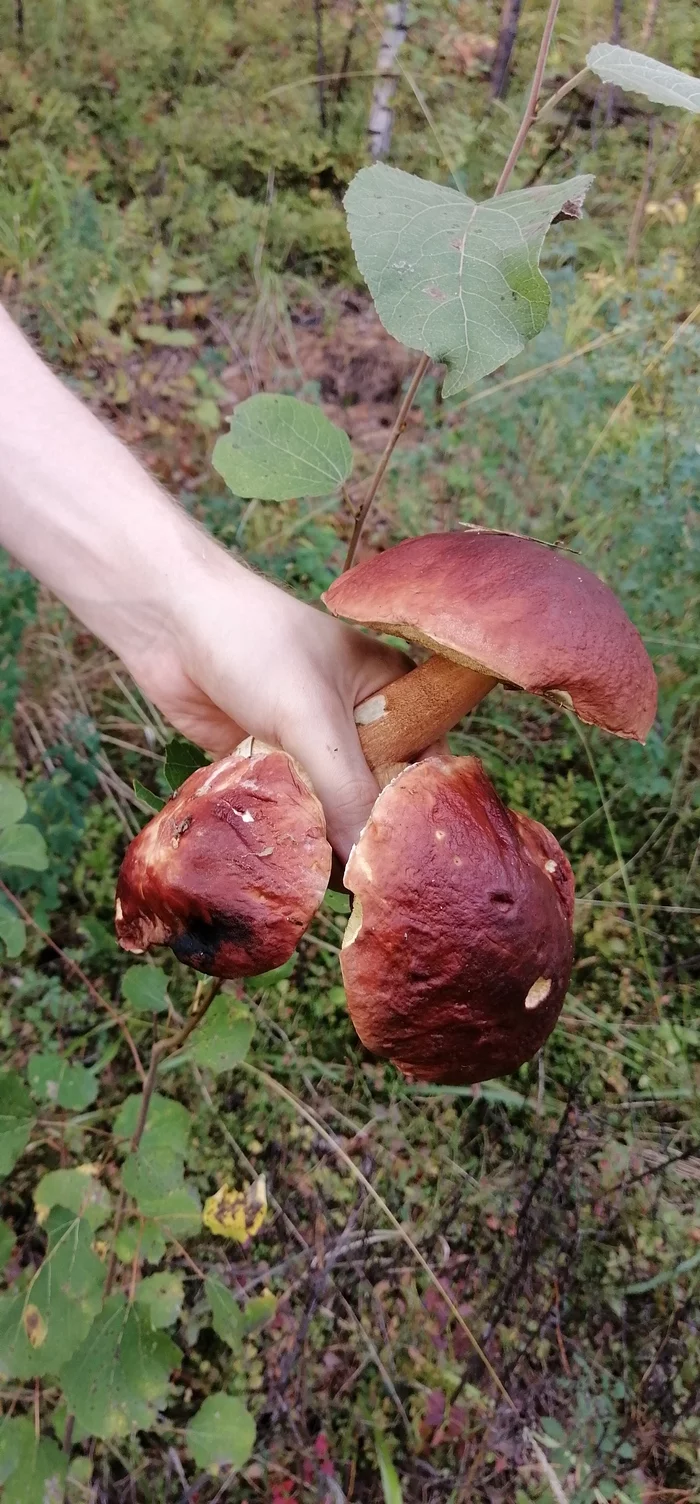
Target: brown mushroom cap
(232, 870)
(458, 952)
(514, 610)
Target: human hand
(219, 650)
(239, 656)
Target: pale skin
(220, 651)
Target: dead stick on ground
(426, 360)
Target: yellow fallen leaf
(237, 1214)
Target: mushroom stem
(413, 711)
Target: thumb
(328, 748)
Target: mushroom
(458, 950)
(493, 607)
(231, 871)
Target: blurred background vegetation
(172, 235)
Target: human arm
(219, 650)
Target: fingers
(328, 749)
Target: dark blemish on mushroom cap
(199, 944)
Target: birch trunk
(381, 116)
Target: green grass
(137, 146)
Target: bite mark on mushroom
(538, 992)
(370, 710)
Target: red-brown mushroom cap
(232, 870)
(458, 951)
(513, 610)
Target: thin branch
(393, 439)
(68, 961)
(176, 1041)
(425, 360)
(531, 106)
(551, 104)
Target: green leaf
(32, 1472)
(16, 1119)
(158, 334)
(23, 846)
(181, 759)
(391, 1486)
(78, 1190)
(12, 930)
(153, 801)
(258, 1311)
(222, 1433)
(338, 903)
(56, 1080)
(207, 413)
(167, 1127)
(7, 1243)
(155, 1180)
(222, 1040)
(279, 449)
(13, 804)
(118, 1378)
(146, 988)
(638, 74)
(226, 1314)
(666, 1277)
(142, 1239)
(456, 279)
(42, 1325)
(107, 300)
(278, 974)
(162, 1295)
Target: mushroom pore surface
(232, 870)
(493, 607)
(458, 952)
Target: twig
(336, 1148)
(425, 360)
(551, 104)
(68, 961)
(547, 1469)
(531, 106)
(392, 441)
